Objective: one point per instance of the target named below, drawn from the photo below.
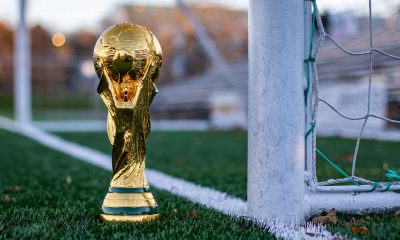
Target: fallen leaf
(397, 214)
(68, 180)
(359, 230)
(330, 218)
(192, 213)
(385, 166)
(175, 211)
(13, 189)
(7, 198)
(347, 157)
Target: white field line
(208, 197)
(100, 125)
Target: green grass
(6, 105)
(373, 159)
(214, 159)
(63, 100)
(49, 207)
(218, 160)
(56, 106)
(380, 226)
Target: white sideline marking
(195, 193)
(100, 125)
(208, 197)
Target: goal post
(276, 113)
(22, 69)
(283, 101)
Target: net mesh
(351, 183)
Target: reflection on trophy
(127, 59)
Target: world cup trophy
(127, 59)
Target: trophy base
(129, 205)
(128, 218)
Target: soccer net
(349, 182)
(285, 42)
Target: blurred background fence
(192, 89)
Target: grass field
(57, 106)
(60, 197)
(48, 207)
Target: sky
(71, 15)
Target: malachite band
(128, 190)
(130, 210)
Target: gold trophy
(127, 59)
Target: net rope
(360, 184)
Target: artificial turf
(218, 160)
(214, 159)
(48, 195)
(56, 106)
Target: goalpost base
(355, 203)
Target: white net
(349, 182)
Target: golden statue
(127, 59)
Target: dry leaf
(7, 198)
(68, 180)
(385, 166)
(192, 213)
(397, 214)
(347, 157)
(359, 230)
(175, 211)
(13, 189)
(330, 218)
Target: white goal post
(22, 68)
(277, 118)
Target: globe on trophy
(127, 59)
